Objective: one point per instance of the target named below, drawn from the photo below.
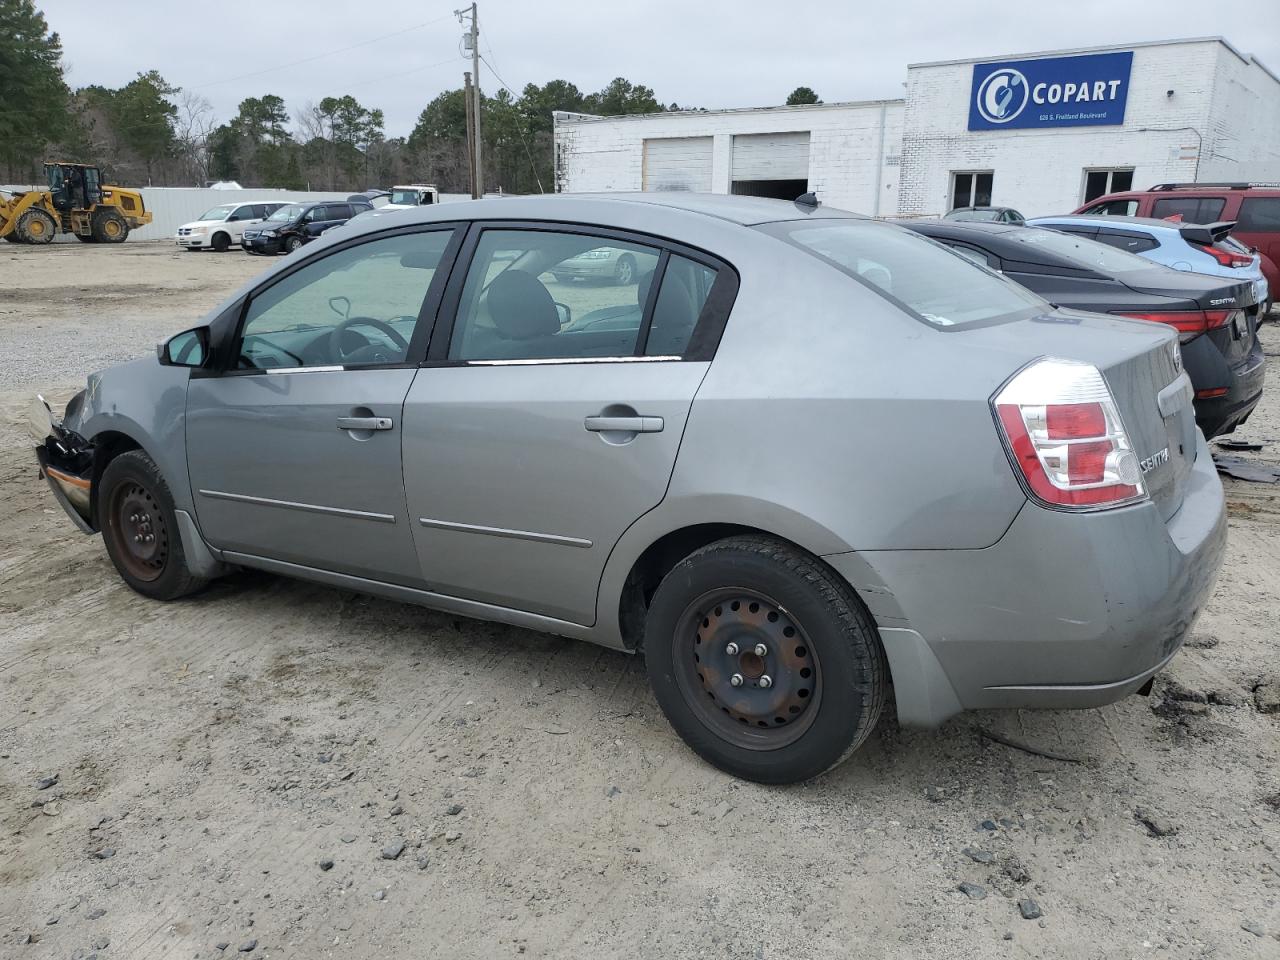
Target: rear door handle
(623, 424)
(365, 423)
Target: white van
(413, 195)
(220, 227)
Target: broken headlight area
(65, 458)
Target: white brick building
(1055, 129)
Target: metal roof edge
(562, 116)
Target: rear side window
(1190, 209)
(1132, 242)
(686, 285)
(1259, 215)
(542, 294)
(933, 283)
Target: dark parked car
(1216, 318)
(986, 214)
(291, 226)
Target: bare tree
(193, 125)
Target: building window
(1098, 183)
(971, 189)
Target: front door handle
(623, 424)
(365, 423)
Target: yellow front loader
(76, 202)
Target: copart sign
(1050, 92)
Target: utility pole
(472, 41)
(471, 135)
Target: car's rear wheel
(140, 529)
(220, 242)
(765, 662)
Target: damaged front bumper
(66, 462)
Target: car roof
(954, 209)
(601, 208)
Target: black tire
(292, 243)
(625, 272)
(819, 640)
(12, 236)
(109, 227)
(85, 238)
(36, 226)
(133, 500)
(221, 242)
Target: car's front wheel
(140, 530)
(292, 243)
(765, 662)
(221, 242)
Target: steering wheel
(376, 353)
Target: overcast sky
(704, 53)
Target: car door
(241, 217)
(549, 418)
(293, 447)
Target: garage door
(678, 163)
(771, 156)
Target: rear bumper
(1065, 611)
(1209, 369)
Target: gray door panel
(273, 475)
(516, 499)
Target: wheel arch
(108, 445)
(648, 552)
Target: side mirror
(566, 315)
(187, 349)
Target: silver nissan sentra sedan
(806, 461)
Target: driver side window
(356, 307)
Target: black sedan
(1216, 318)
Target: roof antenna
(809, 199)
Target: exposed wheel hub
(140, 531)
(753, 662)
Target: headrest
(521, 307)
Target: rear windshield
(938, 285)
(1081, 251)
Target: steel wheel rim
(111, 228)
(138, 527)
(754, 714)
(36, 227)
(625, 272)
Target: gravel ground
(289, 770)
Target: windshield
(406, 198)
(974, 215)
(936, 284)
(1083, 252)
(218, 213)
(290, 212)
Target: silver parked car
(808, 461)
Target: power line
(519, 126)
(397, 76)
(320, 56)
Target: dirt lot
(211, 754)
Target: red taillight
(1227, 258)
(1212, 392)
(1189, 323)
(1065, 436)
